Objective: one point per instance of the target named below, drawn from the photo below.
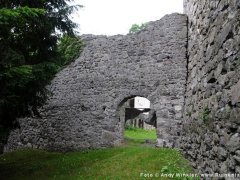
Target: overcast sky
(110, 17)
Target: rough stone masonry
(211, 131)
(86, 96)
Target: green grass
(125, 162)
(137, 133)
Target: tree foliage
(136, 28)
(69, 47)
(29, 55)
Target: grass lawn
(126, 162)
(137, 133)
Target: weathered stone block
(235, 93)
(234, 143)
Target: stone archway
(81, 112)
(126, 111)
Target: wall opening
(137, 119)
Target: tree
(29, 32)
(136, 28)
(69, 48)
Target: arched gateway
(82, 111)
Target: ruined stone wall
(82, 111)
(211, 134)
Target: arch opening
(137, 119)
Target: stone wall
(82, 111)
(211, 132)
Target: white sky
(110, 17)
